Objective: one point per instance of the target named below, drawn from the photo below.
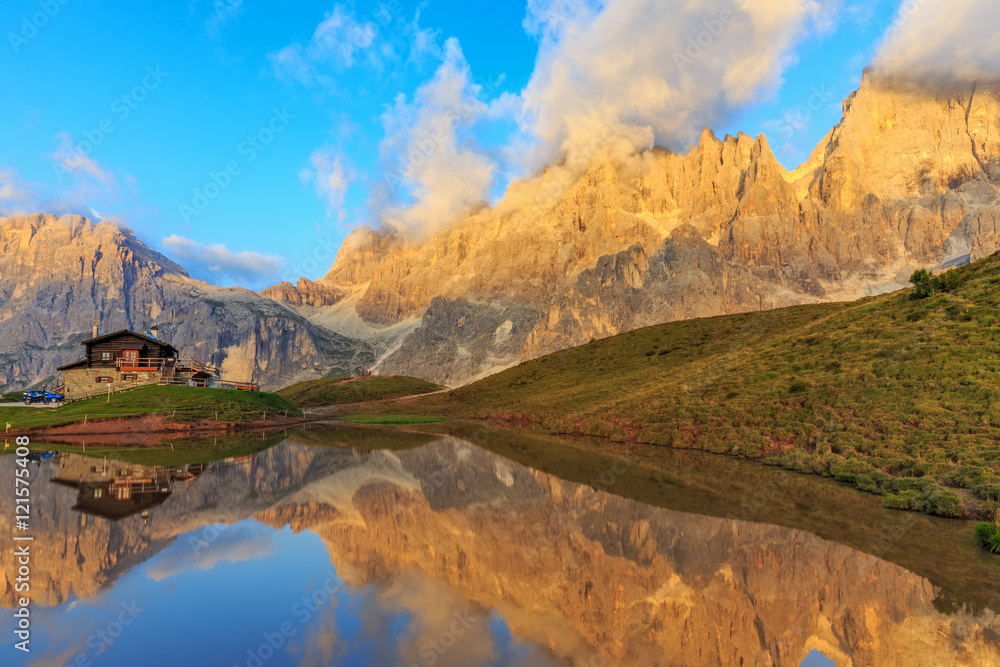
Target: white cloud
(424, 42)
(291, 64)
(435, 172)
(943, 41)
(69, 158)
(16, 195)
(330, 177)
(216, 262)
(343, 40)
(75, 196)
(628, 73)
(223, 12)
(234, 544)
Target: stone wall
(86, 380)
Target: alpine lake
(469, 544)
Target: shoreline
(153, 425)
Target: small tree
(923, 282)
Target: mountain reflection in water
(445, 554)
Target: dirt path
(341, 407)
(49, 406)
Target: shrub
(926, 284)
(908, 500)
(923, 283)
(988, 536)
(947, 281)
(945, 503)
(797, 387)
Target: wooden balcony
(124, 364)
(168, 366)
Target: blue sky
(244, 144)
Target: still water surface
(444, 554)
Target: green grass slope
(338, 391)
(177, 403)
(894, 394)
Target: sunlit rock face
(61, 276)
(594, 578)
(907, 179)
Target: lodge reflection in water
(114, 490)
(585, 574)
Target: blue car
(41, 396)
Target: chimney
(153, 330)
(94, 330)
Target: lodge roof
(122, 332)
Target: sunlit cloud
(942, 41)
(631, 73)
(435, 172)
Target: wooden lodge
(126, 359)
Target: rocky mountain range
(909, 178)
(61, 276)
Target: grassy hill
(339, 391)
(895, 395)
(177, 403)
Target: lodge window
(129, 376)
(105, 356)
(98, 493)
(102, 379)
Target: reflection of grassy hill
(357, 437)
(175, 403)
(895, 395)
(942, 550)
(335, 391)
(178, 451)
